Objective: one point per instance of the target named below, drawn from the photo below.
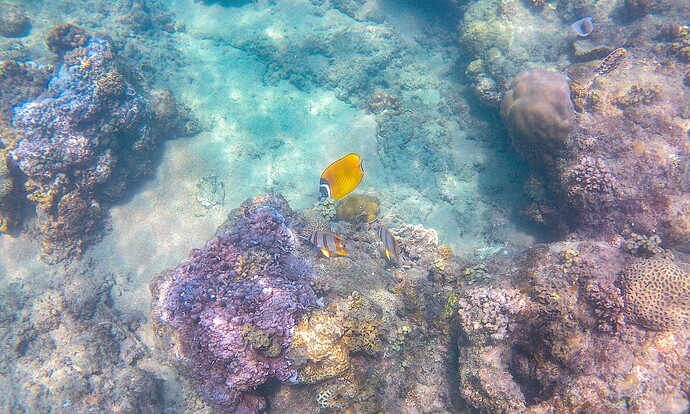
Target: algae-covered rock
(6, 183)
(13, 21)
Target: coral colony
(234, 305)
(344, 307)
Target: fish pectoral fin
(388, 254)
(326, 252)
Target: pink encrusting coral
(233, 305)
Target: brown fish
(390, 245)
(328, 243)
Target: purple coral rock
(84, 139)
(246, 280)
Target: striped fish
(390, 245)
(328, 243)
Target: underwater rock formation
(538, 113)
(19, 82)
(234, 304)
(503, 39)
(83, 140)
(631, 136)
(13, 21)
(66, 349)
(64, 37)
(550, 335)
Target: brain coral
(538, 113)
(656, 293)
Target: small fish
(390, 245)
(328, 243)
(583, 27)
(341, 177)
(611, 61)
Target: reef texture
(626, 165)
(551, 334)
(66, 350)
(234, 304)
(83, 141)
(600, 175)
(13, 21)
(504, 38)
(242, 310)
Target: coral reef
(83, 141)
(234, 304)
(502, 38)
(487, 315)
(64, 37)
(640, 245)
(67, 350)
(383, 103)
(551, 336)
(538, 114)
(656, 293)
(13, 21)
(19, 82)
(318, 348)
(6, 186)
(358, 209)
(588, 181)
(313, 221)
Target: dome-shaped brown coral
(656, 293)
(538, 113)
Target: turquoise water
(277, 91)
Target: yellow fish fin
(344, 175)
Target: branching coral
(588, 178)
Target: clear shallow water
(281, 90)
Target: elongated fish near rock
(390, 245)
(328, 243)
(341, 177)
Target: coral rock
(538, 113)
(13, 22)
(233, 305)
(657, 294)
(358, 209)
(66, 37)
(319, 341)
(83, 141)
